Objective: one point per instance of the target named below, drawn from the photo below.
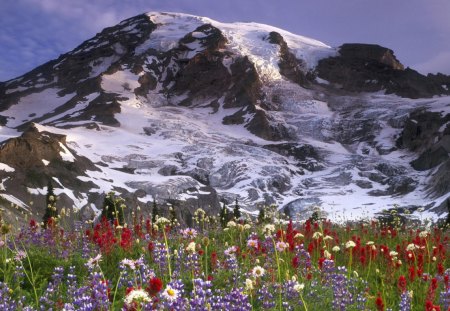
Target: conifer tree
(262, 215)
(51, 212)
(155, 211)
(236, 210)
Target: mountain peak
(184, 109)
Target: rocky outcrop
(38, 157)
(428, 134)
(290, 67)
(42, 155)
(423, 129)
(89, 57)
(306, 156)
(371, 52)
(371, 68)
(440, 180)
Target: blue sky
(35, 31)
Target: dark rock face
(422, 130)
(440, 181)
(290, 67)
(76, 65)
(27, 152)
(78, 72)
(262, 125)
(430, 158)
(371, 68)
(371, 52)
(204, 75)
(212, 40)
(428, 134)
(302, 153)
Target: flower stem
(168, 254)
(280, 300)
(303, 302)
(115, 290)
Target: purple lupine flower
(304, 263)
(81, 299)
(341, 295)
(100, 292)
(405, 302)
(327, 271)
(71, 280)
(6, 302)
(201, 295)
(160, 257)
(444, 298)
(93, 296)
(266, 298)
(236, 300)
(144, 270)
(18, 275)
(191, 262)
(127, 279)
(178, 262)
(86, 247)
(49, 297)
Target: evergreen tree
(155, 211)
(236, 210)
(51, 212)
(113, 208)
(262, 215)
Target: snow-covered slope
(171, 106)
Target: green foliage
(289, 253)
(236, 210)
(224, 215)
(113, 208)
(314, 217)
(261, 215)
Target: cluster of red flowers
(107, 236)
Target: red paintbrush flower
(402, 283)
(379, 303)
(430, 307)
(155, 285)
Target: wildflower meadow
(242, 264)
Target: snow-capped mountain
(191, 111)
